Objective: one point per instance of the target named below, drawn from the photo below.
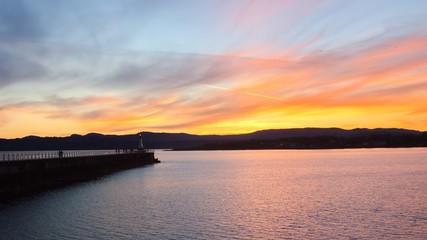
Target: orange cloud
(381, 86)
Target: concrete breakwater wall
(24, 176)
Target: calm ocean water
(319, 194)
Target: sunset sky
(210, 67)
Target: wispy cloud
(258, 66)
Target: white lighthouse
(141, 145)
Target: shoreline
(238, 149)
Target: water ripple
(338, 194)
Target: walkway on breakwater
(19, 156)
(25, 173)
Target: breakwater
(22, 174)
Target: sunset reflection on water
(277, 194)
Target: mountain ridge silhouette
(164, 140)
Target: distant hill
(264, 139)
(323, 139)
(337, 132)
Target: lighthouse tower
(141, 145)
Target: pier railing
(18, 156)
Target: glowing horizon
(210, 67)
